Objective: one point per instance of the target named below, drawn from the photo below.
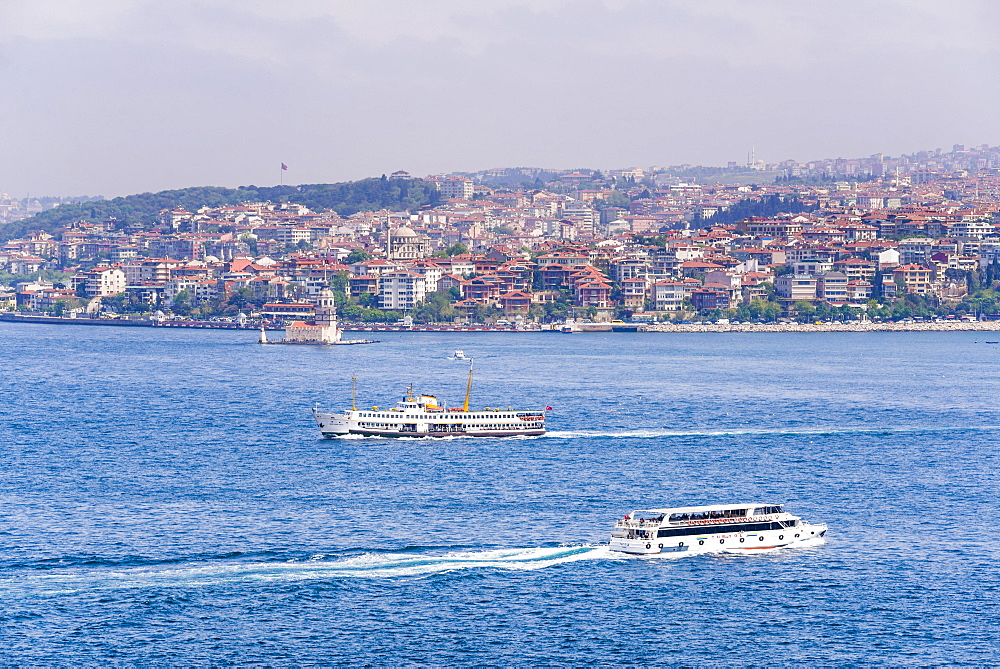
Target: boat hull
(722, 542)
(333, 426)
(372, 433)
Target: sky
(111, 97)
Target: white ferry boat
(459, 354)
(422, 416)
(716, 528)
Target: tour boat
(459, 354)
(422, 416)
(716, 528)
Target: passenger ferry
(716, 528)
(422, 416)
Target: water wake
(662, 433)
(318, 567)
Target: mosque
(407, 244)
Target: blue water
(166, 499)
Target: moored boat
(715, 528)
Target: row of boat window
(365, 414)
(727, 513)
(456, 427)
(717, 529)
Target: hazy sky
(119, 96)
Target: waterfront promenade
(854, 326)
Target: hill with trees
(143, 209)
(767, 206)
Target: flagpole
(281, 175)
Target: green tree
(805, 311)
(356, 256)
(181, 304)
(457, 249)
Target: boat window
(718, 529)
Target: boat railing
(638, 523)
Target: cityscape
(875, 239)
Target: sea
(167, 500)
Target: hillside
(344, 198)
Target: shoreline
(654, 328)
(954, 326)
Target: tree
(351, 312)
(142, 210)
(356, 256)
(805, 311)
(340, 282)
(240, 298)
(181, 304)
(435, 308)
(457, 249)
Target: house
(914, 278)
(832, 287)
(859, 291)
(100, 281)
(710, 298)
(794, 287)
(515, 302)
(634, 292)
(668, 295)
(593, 294)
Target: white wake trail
(652, 433)
(364, 566)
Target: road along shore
(865, 326)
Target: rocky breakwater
(854, 326)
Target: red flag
(284, 166)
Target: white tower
(326, 317)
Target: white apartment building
(401, 290)
(458, 188)
(101, 281)
(796, 286)
(668, 295)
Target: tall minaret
(326, 317)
